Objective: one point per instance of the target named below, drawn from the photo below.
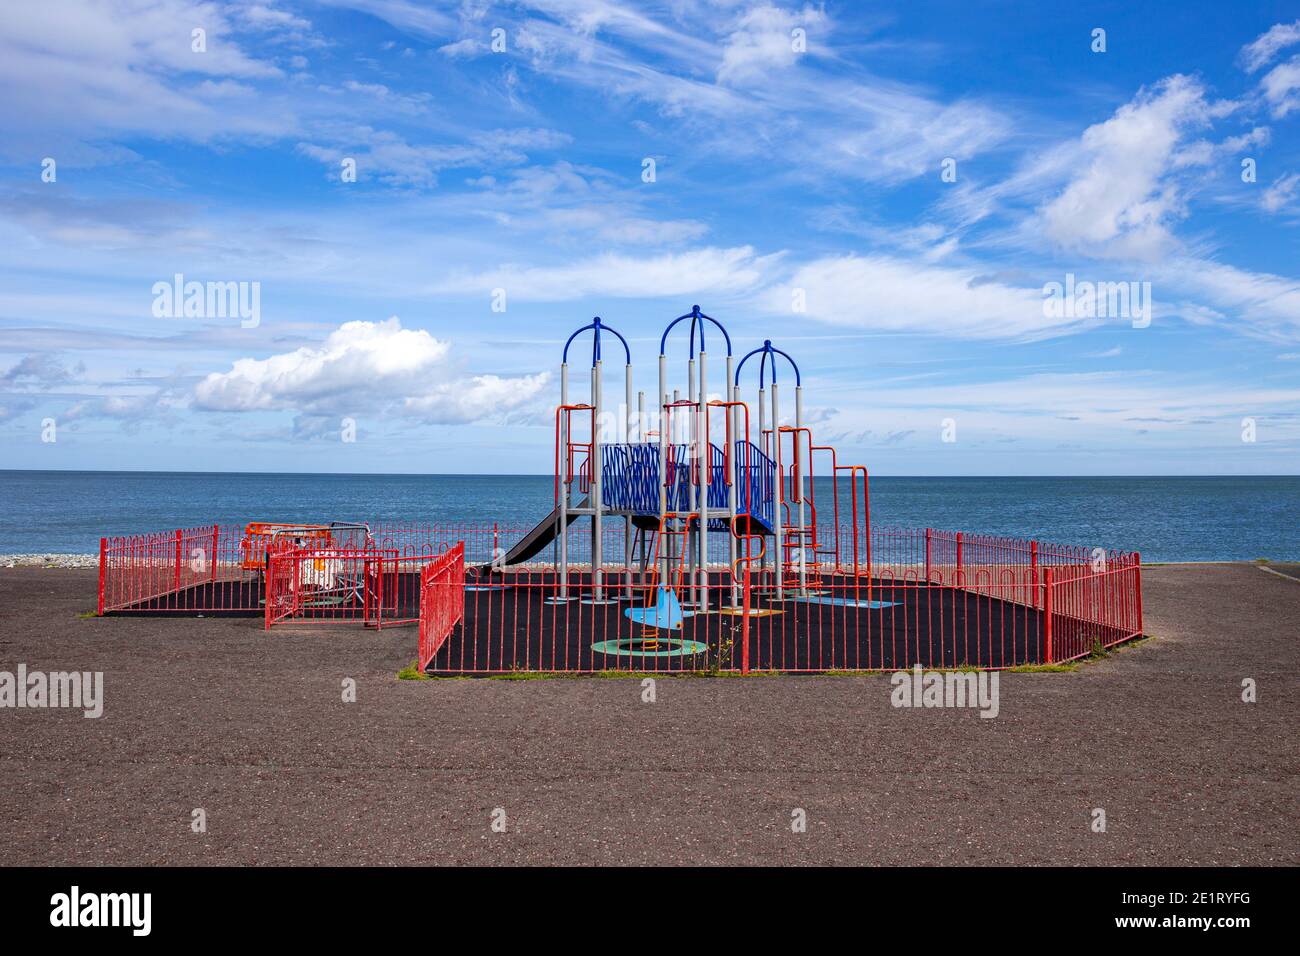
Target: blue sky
(789, 167)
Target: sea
(1165, 518)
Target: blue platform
(630, 480)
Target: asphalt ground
(251, 727)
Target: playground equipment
(688, 535)
(672, 486)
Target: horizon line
(551, 475)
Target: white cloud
(365, 366)
(122, 66)
(1281, 87)
(468, 47)
(720, 271)
(761, 42)
(889, 294)
(618, 225)
(420, 18)
(1101, 409)
(474, 398)
(850, 123)
(40, 371)
(1257, 303)
(357, 359)
(1266, 46)
(1279, 195)
(387, 157)
(1125, 194)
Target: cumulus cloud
(366, 366)
(1125, 193)
(761, 42)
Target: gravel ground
(45, 560)
(251, 727)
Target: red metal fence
(893, 599)
(1084, 612)
(442, 601)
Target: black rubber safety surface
(520, 626)
(514, 622)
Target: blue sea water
(1166, 518)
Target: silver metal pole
(692, 504)
(562, 532)
(640, 438)
(627, 449)
(758, 442)
(706, 466)
(730, 454)
(801, 470)
(776, 495)
(663, 473)
(597, 503)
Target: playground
(686, 534)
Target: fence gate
(325, 585)
(442, 601)
(282, 592)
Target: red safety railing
(874, 599)
(323, 585)
(442, 601)
(1087, 612)
(522, 624)
(151, 570)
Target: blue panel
(630, 479)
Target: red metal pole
(268, 586)
(744, 618)
(1047, 613)
(216, 532)
(866, 507)
(927, 555)
(958, 573)
(1033, 570)
(1137, 572)
(103, 555)
(179, 536)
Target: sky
(420, 202)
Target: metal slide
(534, 541)
(531, 544)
